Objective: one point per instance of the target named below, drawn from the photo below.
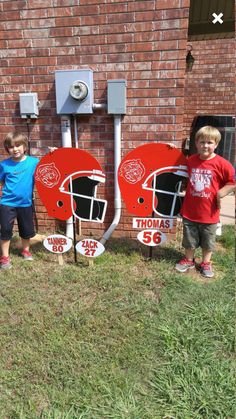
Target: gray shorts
(198, 235)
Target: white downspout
(117, 197)
(66, 141)
(77, 146)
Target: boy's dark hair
(14, 138)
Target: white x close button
(217, 18)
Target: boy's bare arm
(228, 188)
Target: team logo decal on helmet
(132, 170)
(153, 181)
(48, 175)
(67, 181)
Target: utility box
(29, 105)
(74, 91)
(116, 96)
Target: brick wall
(143, 42)
(210, 86)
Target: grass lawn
(126, 338)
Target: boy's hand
(171, 145)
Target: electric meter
(79, 90)
(74, 91)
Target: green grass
(126, 338)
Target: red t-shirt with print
(206, 177)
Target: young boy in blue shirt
(17, 178)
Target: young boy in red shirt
(211, 177)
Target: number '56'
(152, 236)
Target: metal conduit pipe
(76, 132)
(66, 141)
(99, 106)
(117, 196)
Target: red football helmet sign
(150, 179)
(67, 182)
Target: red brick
(86, 2)
(38, 4)
(44, 42)
(113, 8)
(165, 35)
(34, 14)
(167, 4)
(86, 10)
(19, 62)
(144, 16)
(6, 16)
(13, 25)
(141, 5)
(11, 34)
(37, 52)
(60, 11)
(19, 43)
(7, 53)
(68, 21)
(93, 20)
(139, 27)
(39, 23)
(57, 32)
(15, 5)
(141, 46)
(62, 51)
(91, 40)
(44, 61)
(85, 30)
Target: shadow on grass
(120, 246)
(129, 246)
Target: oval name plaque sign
(151, 237)
(57, 243)
(90, 248)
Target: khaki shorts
(198, 235)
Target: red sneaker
(206, 269)
(27, 255)
(184, 264)
(5, 262)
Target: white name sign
(57, 243)
(90, 248)
(152, 223)
(151, 237)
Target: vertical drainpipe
(66, 141)
(117, 196)
(77, 146)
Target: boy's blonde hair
(208, 132)
(14, 138)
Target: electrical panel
(116, 96)
(29, 105)
(74, 91)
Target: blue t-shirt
(18, 181)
